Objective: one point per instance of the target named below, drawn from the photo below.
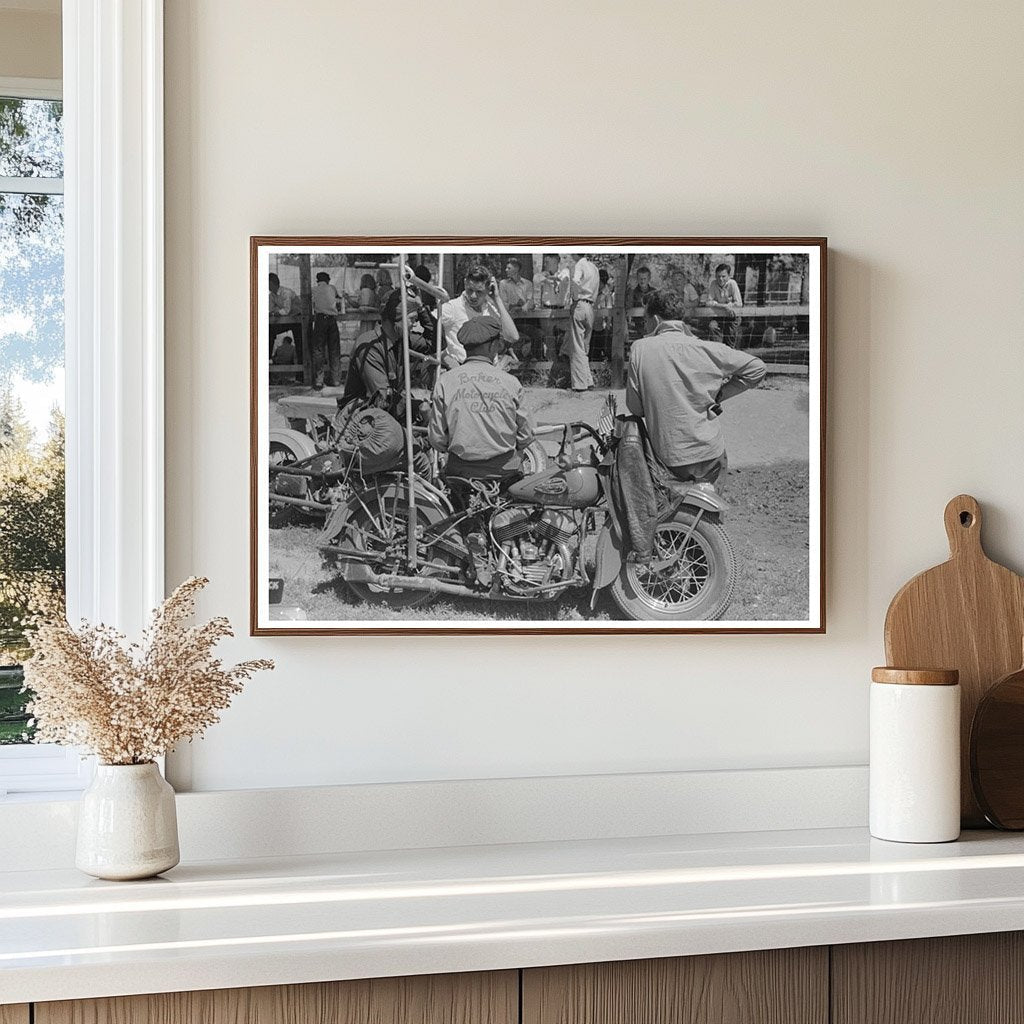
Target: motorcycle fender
(427, 496)
(299, 444)
(714, 504)
(609, 558)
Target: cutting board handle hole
(966, 519)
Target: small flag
(607, 421)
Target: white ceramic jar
(915, 755)
(127, 823)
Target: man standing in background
(283, 301)
(585, 283)
(724, 296)
(515, 291)
(324, 337)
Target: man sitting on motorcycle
(677, 383)
(376, 370)
(477, 414)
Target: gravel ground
(766, 487)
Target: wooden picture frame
(792, 272)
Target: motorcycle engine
(534, 549)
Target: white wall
(895, 129)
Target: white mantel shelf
(225, 924)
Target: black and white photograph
(537, 435)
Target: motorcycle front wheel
(380, 529)
(691, 576)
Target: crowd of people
(677, 381)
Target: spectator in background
(283, 301)
(324, 337)
(367, 292)
(678, 382)
(724, 297)
(679, 282)
(550, 291)
(385, 286)
(480, 297)
(284, 351)
(551, 285)
(515, 291)
(586, 282)
(642, 290)
(603, 317)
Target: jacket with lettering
(476, 412)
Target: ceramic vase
(127, 825)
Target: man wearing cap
(376, 371)
(476, 414)
(324, 337)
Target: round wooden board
(997, 752)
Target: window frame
(112, 89)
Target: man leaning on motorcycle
(677, 383)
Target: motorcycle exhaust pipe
(306, 503)
(360, 572)
(428, 584)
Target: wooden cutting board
(967, 614)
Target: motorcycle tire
(379, 525)
(698, 587)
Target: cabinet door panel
(14, 1014)
(960, 979)
(484, 998)
(778, 986)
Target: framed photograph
(537, 435)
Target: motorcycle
(405, 541)
(312, 470)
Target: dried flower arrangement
(129, 704)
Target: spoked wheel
(691, 576)
(379, 527)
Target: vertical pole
(306, 304)
(619, 326)
(440, 338)
(411, 538)
(439, 347)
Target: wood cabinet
(962, 979)
(968, 979)
(491, 998)
(777, 986)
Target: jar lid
(916, 676)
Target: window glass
(31, 387)
(31, 139)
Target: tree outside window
(31, 385)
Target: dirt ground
(767, 488)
